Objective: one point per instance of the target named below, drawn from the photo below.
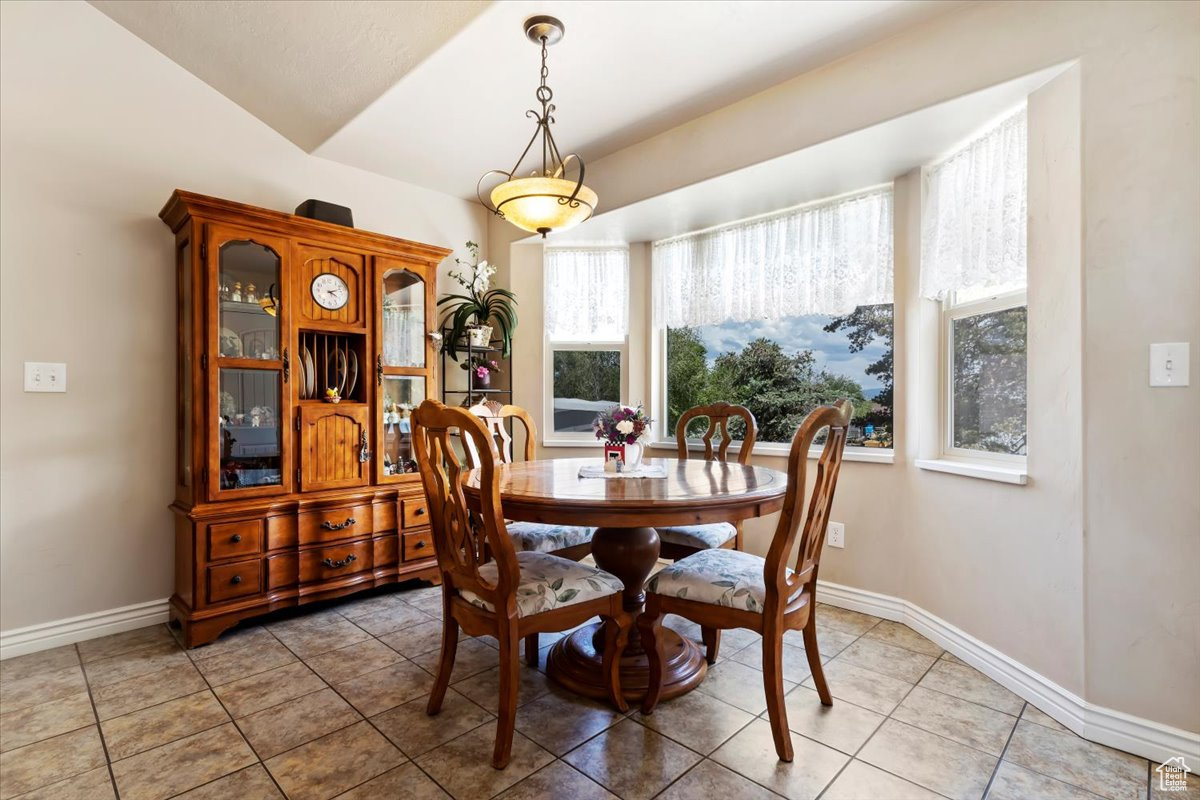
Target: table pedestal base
(575, 664)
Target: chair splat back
(719, 416)
(810, 524)
(460, 533)
(495, 417)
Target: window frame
(550, 437)
(952, 310)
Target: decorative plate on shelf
(352, 378)
(310, 375)
(335, 372)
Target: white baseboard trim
(1107, 726)
(20, 641)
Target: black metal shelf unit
(467, 394)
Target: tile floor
(331, 703)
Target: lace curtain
(973, 224)
(587, 294)
(821, 259)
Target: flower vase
(630, 454)
(633, 455)
(481, 381)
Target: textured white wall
(97, 128)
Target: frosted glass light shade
(532, 204)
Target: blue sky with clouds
(794, 334)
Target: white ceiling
(849, 163)
(624, 71)
(304, 68)
(443, 86)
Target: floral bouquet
(621, 425)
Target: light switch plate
(41, 376)
(1169, 364)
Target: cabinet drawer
(233, 539)
(387, 549)
(335, 561)
(385, 515)
(282, 570)
(281, 532)
(416, 513)
(418, 545)
(329, 525)
(228, 581)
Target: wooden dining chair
(567, 541)
(730, 589)
(681, 541)
(514, 594)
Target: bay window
(587, 332)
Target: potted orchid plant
(481, 370)
(620, 428)
(470, 312)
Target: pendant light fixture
(545, 200)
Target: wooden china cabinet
(282, 497)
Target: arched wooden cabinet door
(246, 363)
(405, 312)
(334, 445)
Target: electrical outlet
(45, 377)
(835, 534)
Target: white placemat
(643, 471)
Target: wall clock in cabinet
(281, 497)
(331, 288)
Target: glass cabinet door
(249, 373)
(250, 424)
(249, 301)
(403, 367)
(403, 330)
(400, 395)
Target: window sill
(863, 454)
(584, 443)
(976, 469)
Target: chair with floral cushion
(567, 541)
(684, 540)
(730, 589)
(513, 595)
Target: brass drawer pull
(237, 537)
(338, 526)
(235, 580)
(329, 562)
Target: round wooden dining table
(625, 512)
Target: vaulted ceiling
(305, 68)
(435, 92)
